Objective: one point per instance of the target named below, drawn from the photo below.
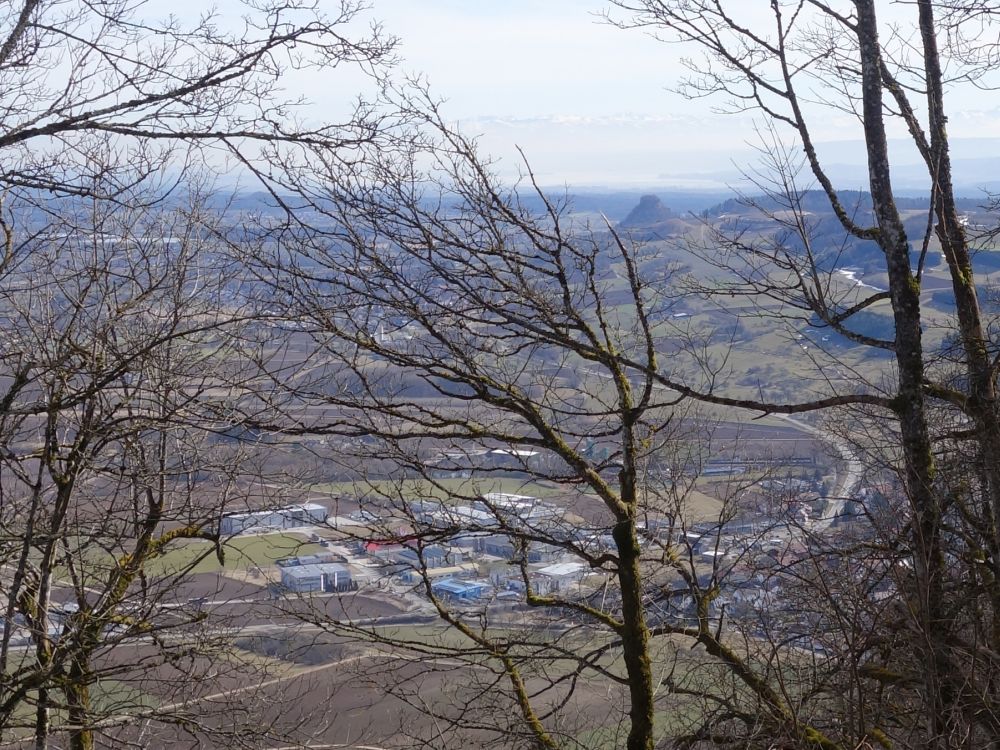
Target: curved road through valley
(847, 481)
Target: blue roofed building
(458, 590)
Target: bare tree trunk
(635, 637)
(81, 734)
(910, 402)
(42, 719)
(982, 395)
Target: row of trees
(508, 328)
(443, 313)
(122, 323)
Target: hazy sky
(589, 103)
(525, 58)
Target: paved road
(847, 481)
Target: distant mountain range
(976, 170)
(647, 153)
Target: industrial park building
(288, 517)
(319, 577)
(458, 590)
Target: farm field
(240, 552)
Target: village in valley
(351, 403)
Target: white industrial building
(317, 577)
(288, 517)
(560, 576)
